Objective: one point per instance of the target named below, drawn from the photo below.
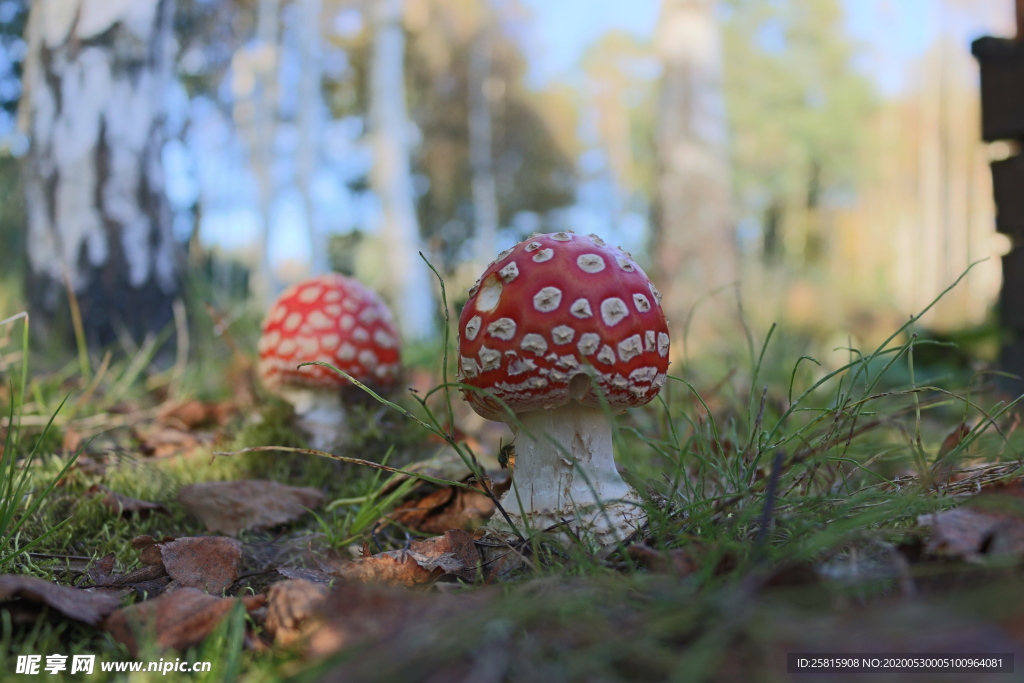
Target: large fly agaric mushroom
(336, 320)
(557, 325)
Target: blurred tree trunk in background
(693, 248)
(98, 217)
(485, 194)
(409, 289)
(310, 128)
(262, 62)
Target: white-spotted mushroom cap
(334, 319)
(551, 313)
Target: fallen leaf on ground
(120, 504)
(990, 523)
(164, 442)
(88, 466)
(312, 575)
(944, 471)
(359, 613)
(970, 533)
(953, 440)
(206, 562)
(85, 606)
(103, 571)
(150, 548)
(682, 561)
(425, 561)
(147, 581)
(448, 508)
(179, 620)
(72, 441)
(194, 413)
(678, 561)
(231, 506)
(293, 609)
(372, 614)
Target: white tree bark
(95, 79)
(264, 100)
(309, 123)
(411, 289)
(694, 249)
(485, 194)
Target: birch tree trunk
(485, 195)
(309, 115)
(411, 289)
(98, 218)
(693, 246)
(264, 99)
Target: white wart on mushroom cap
(556, 307)
(333, 319)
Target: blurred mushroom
(335, 320)
(557, 325)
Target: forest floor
(795, 506)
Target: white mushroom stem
(566, 481)
(320, 414)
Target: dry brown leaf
(150, 548)
(990, 523)
(293, 609)
(85, 606)
(426, 560)
(231, 506)
(359, 612)
(164, 442)
(144, 541)
(313, 575)
(365, 613)
(681, 561)
(953, 440)
(945, 471)
(209, 563)
(394, 568)
(147, 581)
(88, 466)
(179, 620)
(448, 508)
(970, 533)
(120, 504)
(413, 513)
(678, 561)
(190, 414)
(72, 441)
(102, 573)
(194, 413)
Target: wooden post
(1002, 115)
(1020, 20)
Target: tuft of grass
(18, 503)
(804, 456)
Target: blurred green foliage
(797, 110)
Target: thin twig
(354, 461)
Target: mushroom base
(600, 529)
(565, 475)
(321, 415)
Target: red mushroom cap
(333, 319)
(558, 307)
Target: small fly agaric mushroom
(556, 326)
(336, 320)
